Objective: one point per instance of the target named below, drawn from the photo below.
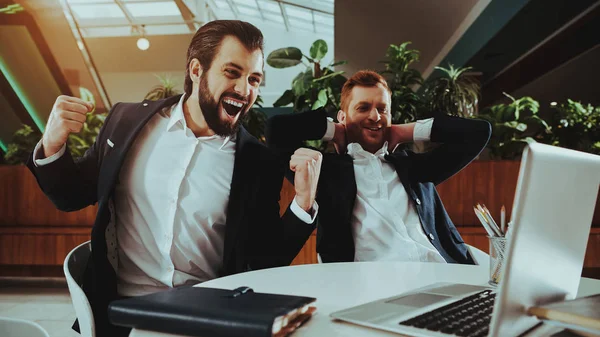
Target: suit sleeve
(287, 133)
(276, 240)
(461, 141)
(71, 183)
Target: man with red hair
(375, 203)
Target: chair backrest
(479, 256)
(74, 267)
(15, 327)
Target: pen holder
(497, 250)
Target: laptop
(552, 215)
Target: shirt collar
(356, 151)
(177, 119)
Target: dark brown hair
(362, 78)
(206, 43)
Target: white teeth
(234, 103)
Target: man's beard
(355, 134)
(210, 110)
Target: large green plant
(513, 126)
(165, 89)
(316, 86)
(25, 139)
(22, 144)
(402, 80)
(576, 126)
(453, 93)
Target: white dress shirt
(170, 206)
(385, 223)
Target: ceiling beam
(286, 21)
(572, 39)
(125, 11)
(262, 16)
(305, 7)
(233, 9)
(139, 23)
(187, 15)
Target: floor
(50, 306)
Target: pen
(503, 219)
(491, 221)
(484, 222)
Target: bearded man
(185, 194)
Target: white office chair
(73, 267)
(478, 255)
(15, 327)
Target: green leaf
(301, 84)
(339, 63)
(318, 50)
(321, 100)
(285, 99)
(328, 76)
(284, 57)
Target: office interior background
(530, 67)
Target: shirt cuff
(302, 214)
(422, 130)
(46, 161)
(330, 130)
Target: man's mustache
(236, 96)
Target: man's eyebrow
(234, 65)
(240, 68)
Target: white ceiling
(113, 18)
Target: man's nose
(374, 115)
(242, 87)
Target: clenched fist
(67, 116)
(306, 164)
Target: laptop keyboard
(469, 317)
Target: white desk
(341, 285)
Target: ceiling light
(553, 103)
(143, 43)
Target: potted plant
(576, 126)
(403, 80)
(315, 87)
(453, 93)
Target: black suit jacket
(462, 140)
(255, 236)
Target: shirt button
(418, 201)
(431, 237)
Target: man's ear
(195, 70)
(341, 117)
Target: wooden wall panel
(39, 246)
(474, 236)
(308, 254)
(35, 237)
(23, 203)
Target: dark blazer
(255, 236)
(462, 140)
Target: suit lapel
(338, 170)
(237, 195)
(123, 133)
(401, 163)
